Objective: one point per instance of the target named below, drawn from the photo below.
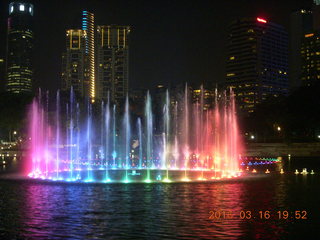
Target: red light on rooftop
(261, 20)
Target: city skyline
(163, 49)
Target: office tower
(78, 62)
(2, 73)
(112, 59)
(20, 48)
(88, 27)
(310, 50)
(310, 59)
(257, 61)
(74, 72)
(300, 25)
(316, 15)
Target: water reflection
(143, 211)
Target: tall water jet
(140, 142)
(48, 133)
(166, 128)
(217, 157)
(71, 128)
(186, 130)
(176, 133)
(102, 135)
(107, 137)
(89, 141)
(57, 132)
(114, 135)
(127, 136)
(149, 131)
(78, 141)
(225, 128)
(201, 119)
(235, 135)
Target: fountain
(72, 142)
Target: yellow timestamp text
(258, 214)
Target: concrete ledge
(283, 149)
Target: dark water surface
(31, 210)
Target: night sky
(171, 41)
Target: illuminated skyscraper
(2, 74)
(257, 63)
(310, 50)
(78, 62)
(310, 59)
(88, 27)
(112, 62)
(300, 24)
(74, 72)
(316, 15)
(20, 48)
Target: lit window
(11, 10)
(21, 7)
(30, 9)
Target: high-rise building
(310, 50)
(310, 59)
(257, 61)
(316, 15)
(78, 62)
(74, 72)
(89, 28)
(300, 24)
(2, 73)
(112, 59)
(20, 48)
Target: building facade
(310, 50)
(2, 74)
(204, 97)
(20, 41)
(78, 61)
(301, 23)
(74, 65)
(257, 61)
(310, 59)
(112, 59)
(89, 28)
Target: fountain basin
(135, 175)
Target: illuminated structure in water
(20, 48)
(78, 145)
